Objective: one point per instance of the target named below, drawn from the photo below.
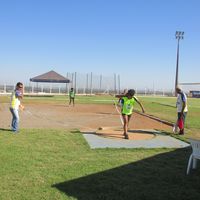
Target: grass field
(52, 164)
(58, 164)
(164, 108)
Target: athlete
(71, 96)
(128, 100)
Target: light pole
(179, 35)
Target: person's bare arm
(21, 107)
(183, 107)
(120, 95)
(140, 104)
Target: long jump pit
(88, 118)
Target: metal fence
(90, 83)
(56, 89)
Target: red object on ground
(180, 123)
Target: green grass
(58, 164)
(105, 99)
(164, 108)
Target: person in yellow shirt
(128, 100)
(15, 104)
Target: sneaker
(15, 131)
(126, 136)
(181, 132)
(175, 128)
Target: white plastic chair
(192, 162)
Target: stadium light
(179, 35)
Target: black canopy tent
(50, 77)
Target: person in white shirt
(181, 105)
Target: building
(195, 94)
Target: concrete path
(160, 141)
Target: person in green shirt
(128, 100)
(71, 96)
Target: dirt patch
(133, 134)
(82, 116)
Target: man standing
(181, 105)
(16, 96)
(71, 96)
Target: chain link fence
(89, 84)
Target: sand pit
(112, 133)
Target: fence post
(87, 78)
(4, 88)
(91, 84)
(75, 82)
(100, 84)
(119, 84)
(115, 83)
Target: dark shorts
(126, 115)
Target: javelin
(119, 113)
(122, 122)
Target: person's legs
(184, 117)
(129, 117)
(175, 127)
(181, 132)
(126, 120)
(15, 119)
(70, 100)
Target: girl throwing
(128, 100)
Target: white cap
(178, 87)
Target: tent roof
(50, 77)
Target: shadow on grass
(5, 129)
(158, 178)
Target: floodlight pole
(115, 88)
(118, 84)
(179, 35)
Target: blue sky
(133, 38)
